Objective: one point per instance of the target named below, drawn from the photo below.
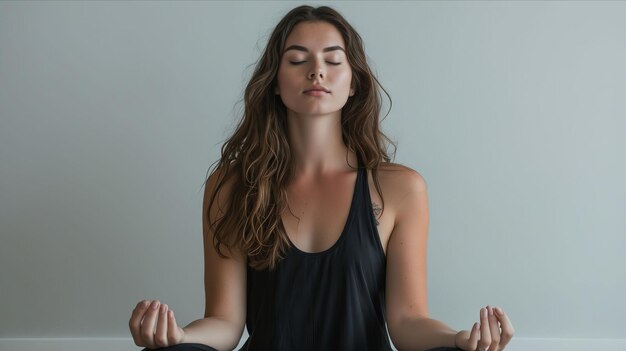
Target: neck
(317, 146)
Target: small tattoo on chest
(377, 211)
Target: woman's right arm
(224, 283)
(153, 324)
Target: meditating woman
(313, 239)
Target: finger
(472, 343)
(149, 323)
(160, 335)
(507, 328)
(173, 331)
(485, 334)
(135, 321)
(494, 329)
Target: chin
(319, 109)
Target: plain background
(112, 112)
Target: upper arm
(406, 252)
(224, 278)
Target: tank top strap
(365, 220)
(361, 186)
(364, 205)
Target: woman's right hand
(153, 325)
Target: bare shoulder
(402, 196)
(399, 180)
(218, 184)
(217, 198)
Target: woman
(312, 238)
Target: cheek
(280, 77)
(285, 78)
(344, 77)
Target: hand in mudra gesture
(153, 325)
(492, 333)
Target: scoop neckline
(347, 224)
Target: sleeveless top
(328, 300)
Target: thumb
(468, 339)
(175, 333)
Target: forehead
(315, 36)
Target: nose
(316, 71)
(315, 74)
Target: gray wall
(111, 113)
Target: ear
(351, 92)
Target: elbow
(237, 332)
(405, 332)
(394, 327)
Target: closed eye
(300, 62)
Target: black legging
(185, 347)
(201, 347)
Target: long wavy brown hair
(256, 160)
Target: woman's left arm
(409, 326)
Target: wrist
(183, 334)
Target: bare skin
(319, 195)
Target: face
(314, 56)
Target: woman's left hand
(492, 333)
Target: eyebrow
(302, 48)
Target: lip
(317, 88)
(316, 92)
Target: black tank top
(328, 300)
